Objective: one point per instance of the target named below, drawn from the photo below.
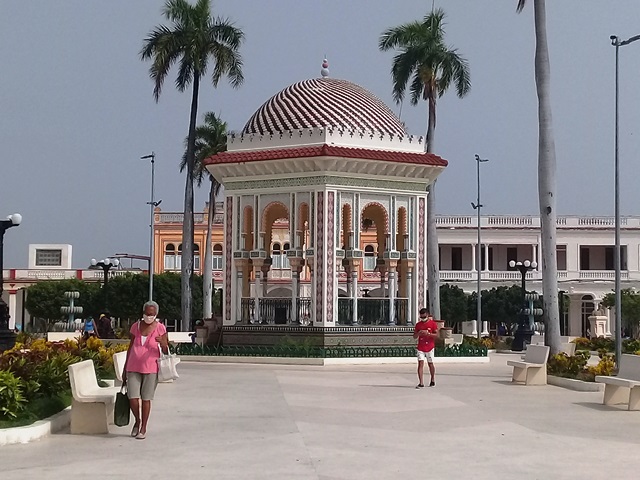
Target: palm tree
(429, 67)
(193, 39)
(546, 178)
(211, 139)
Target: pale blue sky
(77, 109)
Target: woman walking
(141, 366)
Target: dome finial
(325, 68)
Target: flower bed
(575, 366)
(629, 345)
(34, 378)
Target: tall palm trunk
(433, 257)
(546, 181)
(187, 224)
(207, 276)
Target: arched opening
(401, 229)
(217, 257)
(276, 256)
(303, 225)
(369, 264)
(169, 256)
(179, 258)
(588, 306)
(273, 212)
(196, 257)
(374, 217)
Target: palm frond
(454, 69)
(210, 139)
(521, 5)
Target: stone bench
(624, 387)
(92, 405)
(181, 337)
(533, 369)
(118, 365)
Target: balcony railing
(466, 275)
(530, 221)
(373, 311)
(276, 310)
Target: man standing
(426, 331)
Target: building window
(217, 257)
(170, 257)
(456, 258)
(48, 258)
(276, 257)
(369, 264)
(196, 257)
(561, 257)
(285, 260)
(584, 258)
(179, 258)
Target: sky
(77, 110)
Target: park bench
(181, 337)
(625, 387)
(118, 365)
(533, 369)
(92, 405)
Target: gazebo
(329, 163)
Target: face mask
(148, 319)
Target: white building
(585, 256)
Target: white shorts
(422, 356)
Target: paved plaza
(227, 421)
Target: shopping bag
(167, 367)
(121, 410)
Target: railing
(276, 310)
(531, 221)
(602, 275)
(373, 311)
(466, 275)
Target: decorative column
(266, 266)
(12, 308)
(409, 261)
(486, 258)
(241, 262)
(258, 258)
(473, 257)
(296, 263)
(391, 258)
(354, 257)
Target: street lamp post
(7, 337)
(616, 42)
(152, 205)
(477, 206)
(106, 265)
(524, 332)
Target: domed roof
(321, 103)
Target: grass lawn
(39, 409)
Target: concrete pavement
(351, 422)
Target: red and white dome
(324, 103)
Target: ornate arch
(247, 227)
(346, 224)
(401, 229)
(377, 208)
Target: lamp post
(477, 207)
(106, 265)
(7, 337)
(616, 42)
(524, 333)
(152, 205)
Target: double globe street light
(524, 332)
(106, 265)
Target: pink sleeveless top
(143, 358)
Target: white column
(12, 309)
(256, 295)
(534, 253)
(486, 258)
(238, 296)
(392, 296)
(412, 299)
(294, 295)
(473, 257)
(354, 291)
(607, 327)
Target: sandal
(141, 436)
(135, 430)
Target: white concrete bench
(118, 365)
(181, 337)
(533, 369)
(92, 405)
(625, 387)
(62, 336)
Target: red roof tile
(326, 151)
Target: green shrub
(12, 402)
(631, 345)
(52, 374)
(563, 365)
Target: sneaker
(420, 385)
(432, 384)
